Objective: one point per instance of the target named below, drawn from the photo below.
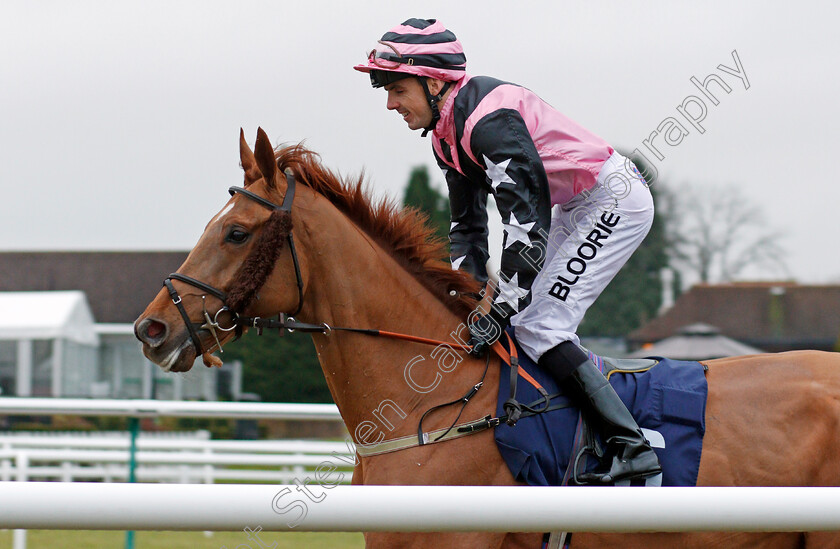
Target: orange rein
(510, 358)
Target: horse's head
(243, 248)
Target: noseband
(211, 324)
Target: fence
(130, 464)
(416, 508)
(323, 506)
(169, 408)
(163, 457)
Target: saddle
(625, 365)
(546, 441)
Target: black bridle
(239, 322)
(283, 321)
(211, 324)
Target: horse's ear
(264, 154)
(246, 158)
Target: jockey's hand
(484, 331)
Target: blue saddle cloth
(668, 402)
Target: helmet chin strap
(433, 102)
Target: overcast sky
(119, 121)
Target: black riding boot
(630, 453)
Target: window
(42, 367)
(8, 367)
(79, 366)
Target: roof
(118, 285)
(46, 315)
(772, 316)
(696, 342)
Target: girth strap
(422, 438)
(456, 431)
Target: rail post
(134, 430)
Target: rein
(244, 291)
(252, 275)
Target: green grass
(94, 539)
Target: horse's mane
(404, 232)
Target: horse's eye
(236, 236)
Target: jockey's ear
(247, 160)
(435, 85)
(264, 154)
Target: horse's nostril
(151, 332)
(155, 329)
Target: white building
(80, 342)
(50, 345)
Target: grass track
(95, 539)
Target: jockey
(573, 210)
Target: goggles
(386, 57)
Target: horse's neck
(355, 283)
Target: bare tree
(717, 234)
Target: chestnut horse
(331, 256)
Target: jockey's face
(407, 98)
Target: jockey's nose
(151, 331)
(391, 102)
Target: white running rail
(52, 505)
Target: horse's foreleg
(821, 540)
(693, 540)
(438, 540)
(522, 540)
